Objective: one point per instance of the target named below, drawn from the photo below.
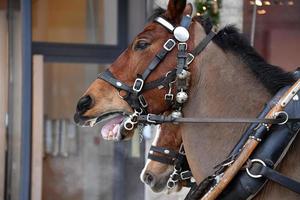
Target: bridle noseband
(178, 159)
(180, 75)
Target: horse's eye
(141, 45)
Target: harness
(180, 77)
(260, 166)
(181, 172)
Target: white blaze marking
(154, 143)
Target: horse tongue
(111, 126)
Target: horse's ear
(175, 9)
(188, 9)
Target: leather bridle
(178, 159)
(134, 94)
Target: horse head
(162, 159)
(115, 97)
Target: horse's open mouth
(113, 127)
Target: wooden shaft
(249, 147)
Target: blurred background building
(51, 50)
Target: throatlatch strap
(201, 46)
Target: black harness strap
(201, 46)
(165, 151)
(161, 82)
(158, 119)
(169, 45)
(168, 156)
(165, 160)
(280, 179)
(109, 77)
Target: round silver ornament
(176, 114)
(183, 74)
(181, 34)
(181, 97)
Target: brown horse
(228, 79)
(156, 174)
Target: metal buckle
(143, 101)
(129, 125)
(169, 44)
(138, 85)
(169, 97)
(255, 175)
(171, 184)
(190, 58)
(133, 120)
(149, 120)
(182, 46)
(181, 149)
(183, 177)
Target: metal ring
(177, 169)
(149, 120)
(167, 74)
(255, 175)
(138, 111)
(172, 182)
(286, 116)
(129, 125)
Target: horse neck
(222, 86)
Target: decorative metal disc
(181, 34)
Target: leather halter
(178, 159)
(134, 95)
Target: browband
(165, 23)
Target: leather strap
(158, 119)
(165, 151)
(109, 77)
(201, 46)
(280, 179)
(165, 160)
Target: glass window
(78, 164)
(76, 21)
(276, 31)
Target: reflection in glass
(76, 21)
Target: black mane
(229, 39)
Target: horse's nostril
(148, 178)
(84, 103)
